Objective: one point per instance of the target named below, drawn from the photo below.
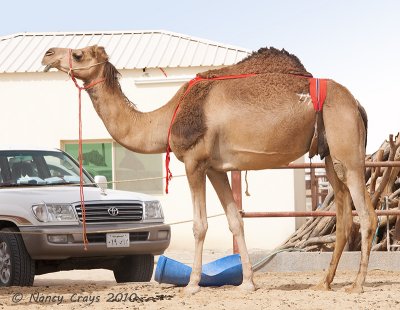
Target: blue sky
(357, 43)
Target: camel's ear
(100, 53)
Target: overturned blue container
(224, 271)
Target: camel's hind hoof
(354, 289)
(321, 287)
(191, 289)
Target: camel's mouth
(47, 68)
(55, 64)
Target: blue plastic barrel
(224, 271)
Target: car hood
(66, 195)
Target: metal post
(236, 181)
(314, 189)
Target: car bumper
(144, 239)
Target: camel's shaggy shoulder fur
(265, 60)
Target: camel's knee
(372, 223)
(343, 227)
(368, 231)
(368, 222)
(236, 225)
(200, 229)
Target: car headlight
(54, 212)
(153, 211)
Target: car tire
(136, 268)
(16, 266)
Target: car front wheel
(16, 266)
(135, 268)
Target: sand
(97, 289)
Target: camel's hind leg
(368, 223)
(352, 175)
(346, 134)
(220, 182)
(343, 222)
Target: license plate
(117, 240)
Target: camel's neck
(137, 131)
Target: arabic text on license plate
(117, 240)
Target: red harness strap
(318, 93)
(192, 82)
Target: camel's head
(86, 63)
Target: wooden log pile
(383, 184)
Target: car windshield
(38, 168)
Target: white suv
(41, 221)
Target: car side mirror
(101, 181)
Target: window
(129, 170)
(38, 167)
(97, 157)
(143, 171)
(22, 166)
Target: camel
(260, 121)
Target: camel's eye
(77, 56)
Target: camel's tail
(365, 120)
(319, 144)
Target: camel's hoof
(354, 289)
(247, 286)
(321, 287)
(191, 289)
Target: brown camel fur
(257, 122)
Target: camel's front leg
(197, 179)
(221, 185)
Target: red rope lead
(80, 153)
(81, 192)
(192, 82)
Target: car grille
(111, 213)
(133, 236)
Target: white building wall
(42, 109)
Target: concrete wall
(42, 109)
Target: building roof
(23, 52)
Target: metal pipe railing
(373, 164)
(309, 213)
(236, 188)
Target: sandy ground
(97, 289)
